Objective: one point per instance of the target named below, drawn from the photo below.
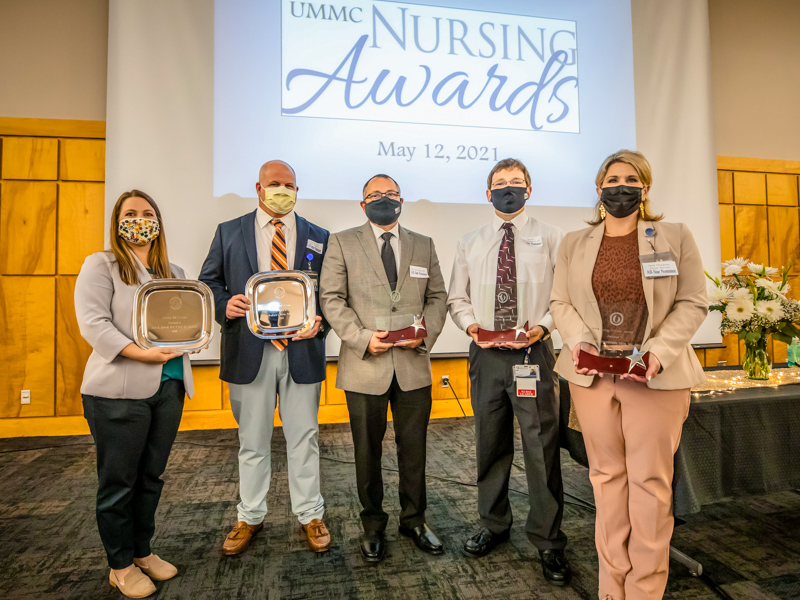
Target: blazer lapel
(647, 284)
(248, 222)
(590, 252)
(406, 252)
(592, 311)
(302, 239)
(370, 246)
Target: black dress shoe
(555, 567)
(484, 542)
(424, 538)
(373, 547)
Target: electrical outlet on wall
(25, 397)
(445, 381)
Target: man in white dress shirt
(501, 280)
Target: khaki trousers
(631, 434)
(253, 407)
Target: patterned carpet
(750, 546)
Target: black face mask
(383, 211)
(509, 199)
(621, 200)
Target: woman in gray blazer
(132, 398)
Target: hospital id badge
(658, 264)
(525, 378)
(526, 371)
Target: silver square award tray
(173, 313)
(282, 304)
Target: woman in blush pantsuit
(601, 300)
(132, 398)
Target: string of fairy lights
(720, 382)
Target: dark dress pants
(133, 439)
(495, 403)
(411, 411)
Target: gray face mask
(383, 211)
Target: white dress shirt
(394, 242)
(264, 234)
(471, 297)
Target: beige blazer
(354, 289)
(104, 307)
(676, 306)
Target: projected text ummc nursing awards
(407, 63)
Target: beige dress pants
(631, 434)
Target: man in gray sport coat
(378, 278)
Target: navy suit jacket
(231, 261)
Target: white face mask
(279, 200)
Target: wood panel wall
(759, 218)
(52, 216)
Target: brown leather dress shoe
(156, 568)
(135, 585)
(319, 538)
(238, 540)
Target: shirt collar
(395, 231)
(519, 222)
(263, 219)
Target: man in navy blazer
(273, 237)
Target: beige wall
(755, 72)
(53, 65)
(53, 59)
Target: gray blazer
(104, 307)
(354, 296)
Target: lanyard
(650, 235)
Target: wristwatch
(546, 333)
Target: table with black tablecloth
(738, 442)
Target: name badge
(525, 371)
(315, 246)
(660, 264)
(419, 272)
(535, 242)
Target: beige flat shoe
(137, 584)
(157, 569)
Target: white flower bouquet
(753, 302)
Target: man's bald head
(276, 173)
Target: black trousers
(411, 412)
(495, 403)
(133, 439)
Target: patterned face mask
(138, 231)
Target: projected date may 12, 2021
(437, 152)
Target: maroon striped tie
(505, 297)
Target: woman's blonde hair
(642, 167)
(157, 256)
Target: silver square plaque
(173, 313)
(282, 304)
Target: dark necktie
(505, 291)
(389, 262)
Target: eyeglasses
(513, 183)
(376, 195)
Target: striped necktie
(278, 262)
